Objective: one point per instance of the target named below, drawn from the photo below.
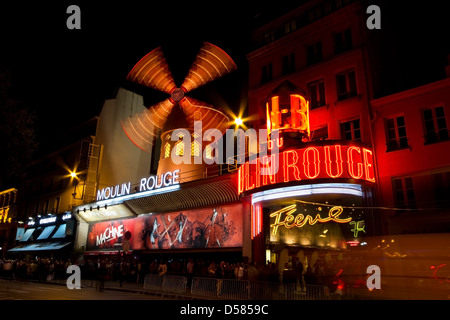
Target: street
(19, 290)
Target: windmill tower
(178, 111)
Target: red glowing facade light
(335, 161)
(257, 218)
(288, 110)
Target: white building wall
(121, 160)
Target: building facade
(345, 183)
(8, 223)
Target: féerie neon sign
(300, 220)
(315, 162)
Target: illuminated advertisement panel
(215, 227)
(316, 225)
(109, 234)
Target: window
(167, 150)
(435, 125)
(441, 188)
(343, 41)
(209, 150)
(346, 84)
(351, 130)
(56, 204)
(266, 73)
(269, 36)
(404, 195)
(319, 134)
(316, 94)
(288, 64)
(396, 134)
(290, 26)
(195, 149)
(314, 53)
(179, 148)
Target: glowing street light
(238, 121)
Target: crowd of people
(133, 270)
(41, 269)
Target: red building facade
(322, 49)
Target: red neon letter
(351, 161)
(241, 179)
(258, 173)
(338, 161)
(315, 162)
(269, 167)
(290, 164)
(368, 165)
(299, 112)
(247, 178)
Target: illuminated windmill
(153, 71)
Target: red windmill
(153, 71)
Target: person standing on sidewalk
(101, 274)
(190, 271)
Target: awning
(60, 233)
(193, 194)
(44, 246)
(27, 235)
(46, 232)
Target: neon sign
(317, 162)
(288, 113)
(300, 220)
(359, 227)
(146, 184)
(47, 220)
(111, 233)
(113, 192)
(165, 180)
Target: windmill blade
(153, 71)
(211, 63)
(142, 128)
(211, 117)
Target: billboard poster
(109, 234)
(214, 227)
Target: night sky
(65, 75)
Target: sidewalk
(127, 287)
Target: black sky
(66, 74)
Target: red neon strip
(368, 164)
(351, 163)
(247, 177)
(241, 180)
(338, 162)
(315, 162)
(291, 164)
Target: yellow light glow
(73, 174)
(238, 121)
